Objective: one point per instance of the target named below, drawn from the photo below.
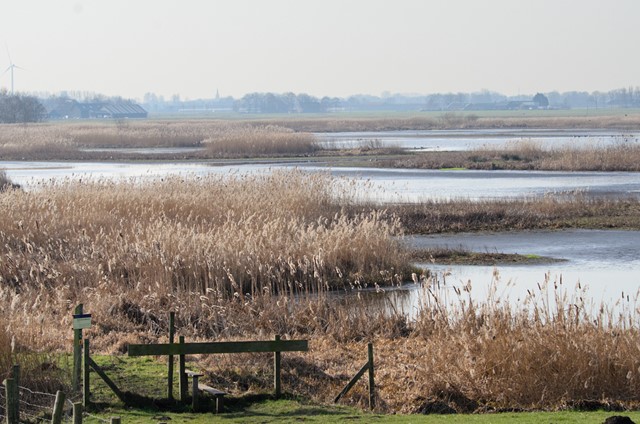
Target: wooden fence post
(12, 401)
(58, 408)
(182, 378)
(372, 386)
(85, 375)
(172, 316)
(195, 393)
(277, 357)
(15, 374)
(77, 352)
(77, 413)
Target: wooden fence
(18, 410)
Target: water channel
(458, 140)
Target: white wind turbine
(11, 67)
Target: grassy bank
(466, 257)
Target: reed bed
(461, 120)
(218, 139)
(268, 140)
(623, 155)
(552, 349)
(572, 210)
(153, 244)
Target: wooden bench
(197, 387)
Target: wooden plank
(211, 390)
(218, 394)
(217, 347)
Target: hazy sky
(320, 47)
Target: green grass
(296, 411)
(147, 376)
(532, 256)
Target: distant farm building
(64, 108)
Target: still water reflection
(602, 266)
(458, 140)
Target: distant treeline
(255, 103)
(291, 103)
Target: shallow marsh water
(382, 185)
(601, 266)
(459, 140)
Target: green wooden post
(115, 420)
(182, 378)
(372, 386)
(77, 352)
(85, 375)
(11, 407)
(276, 370)
(58, 408)
(77, 413)
(172, 316)
(15, 374)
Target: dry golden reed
(216, 139)
(164, 244)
